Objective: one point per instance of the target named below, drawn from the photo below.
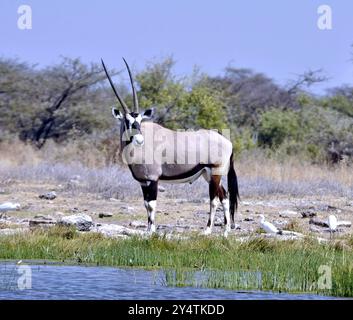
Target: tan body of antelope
(154, 153)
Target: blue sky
(278, 38)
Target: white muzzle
(138, 139)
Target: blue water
(80, 282)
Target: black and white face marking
(132, 122)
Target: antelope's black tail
(233, 190)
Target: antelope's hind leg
(225, 205)
(150, 190)
(218, 194)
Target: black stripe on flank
(185, 175)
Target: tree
(51, 102)
(178, 104)
(205, 110)
(341, 99)
(247, 94)
(159, 88)
(305, 80)
(276, 126)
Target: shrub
(276, 126)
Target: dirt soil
(174, 215)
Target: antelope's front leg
(213, 208)
(150, 189)
(225, 205)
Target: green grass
(258, 264)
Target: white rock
(9, 206)
(292, 233)
(82, 222)
(114, 230)
(342, 223)
(281, 237)
(48, 196)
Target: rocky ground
(112, 217)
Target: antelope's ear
(148, 114)
(117, 114)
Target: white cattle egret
(332, 223)
(268, 226)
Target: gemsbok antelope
(155, 153)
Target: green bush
(208, 110)
(276, 126)
(70, 102)
(243, 141)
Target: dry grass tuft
(258, 174)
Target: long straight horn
(136, 102)
(123, 104)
